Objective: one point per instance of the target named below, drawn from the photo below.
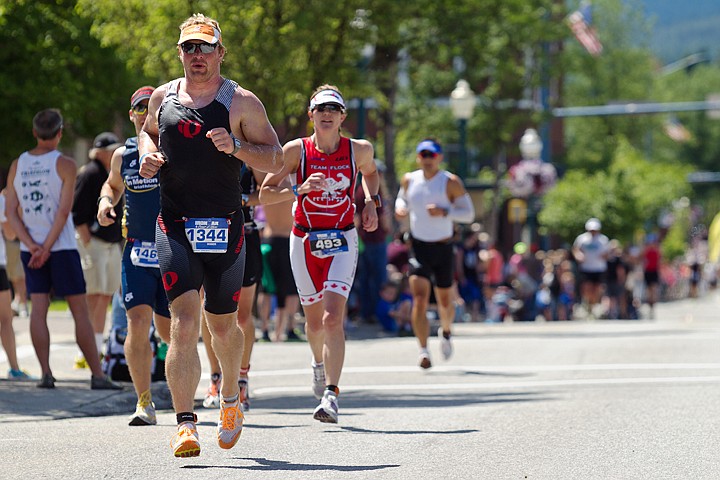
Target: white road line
(497, 385)
(499, 368)
(26, 351)
(22, 352)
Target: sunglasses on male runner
(428, 154)
(188, 47)
(140, 109)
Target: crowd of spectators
(531, 284)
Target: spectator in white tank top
(41, 183)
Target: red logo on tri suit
(236, 296)
(161, 224)
(169, 280)
(189, 128)
(238, 247)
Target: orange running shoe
(186, 442)
(230, 424)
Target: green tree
(702, 148)
(624, 72)
(505, 54)
(501, 52)
(632, 192)
(624, 169)
(282, 49)
(50, 60)
(279, 49)
(674, 245)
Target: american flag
(579, 22)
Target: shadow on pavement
(263, 464)
(289, 405)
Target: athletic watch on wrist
(236, 142)
(374, 199)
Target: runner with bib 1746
(143, 293)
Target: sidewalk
(72, 396)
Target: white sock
(316, 364)
(99, 342)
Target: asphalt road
(575, 400)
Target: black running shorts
(183, 270)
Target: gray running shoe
(445, 345)
(327, 411)
(318, 383)
(144, 414)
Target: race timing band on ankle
(183, 417)
(232, 399)
(333, 388)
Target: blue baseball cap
(428, 145)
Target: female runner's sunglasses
(328, 107)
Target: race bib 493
(326, 243)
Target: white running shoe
(212, 396)
(327, 411)
(424, 360)
(445, 345)
(318, 383)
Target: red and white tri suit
(330, 209)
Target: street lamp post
(368, 52)
(531, 146)
(530, 178)
(462, 104)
